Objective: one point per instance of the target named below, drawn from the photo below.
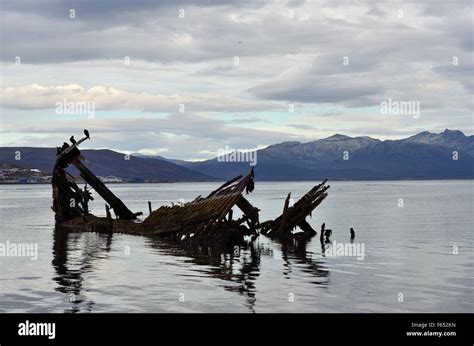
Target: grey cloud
(90, 10)
(317, 88)
(184, 136)
(463, 71)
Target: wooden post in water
(149, 207)
(109, 218)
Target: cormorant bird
(73, 141)
(250, 185)
(86, 133)
(321, 236)
(327, 235)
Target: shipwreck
(207, 219)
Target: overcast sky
(247, 74)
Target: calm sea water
(418, 258)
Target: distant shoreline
(263, 181)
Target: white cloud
(36, 96)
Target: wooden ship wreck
(204, 220)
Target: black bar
(274, 329)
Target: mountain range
(426, 155)
(105, 162)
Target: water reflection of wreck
(70, 272)
(204, 220)
(238, 270)
(78, 254)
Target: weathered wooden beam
(245, 206)
(70, 148)
(227, 183)
(306, 227)
(284, 215)
(248, 210)
(115, 203)
(65, 198)
(293, 216)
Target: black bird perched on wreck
(73, 141)
(86, 133)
